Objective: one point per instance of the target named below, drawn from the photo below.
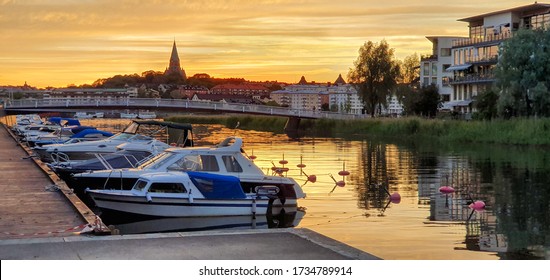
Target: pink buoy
(477, 205)
(252, 157)
(312, 178)
(343, 173)
(446, 189)
(283, 161)
(341, 184)
(395, 198)
(301, 165)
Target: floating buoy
(477, 205)
(312, 178)
(446, 189)
(252, 157)
(395, 198)
(341, 184)
(301, 165)
(343, 173)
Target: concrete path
(263, 244)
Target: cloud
(89, 39)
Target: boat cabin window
(196, 163)
(167, 188)
(140, 184)
(231, 164)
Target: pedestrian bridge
(167, 105)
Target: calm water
(512, 182)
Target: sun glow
(55, 43)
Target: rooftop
(522, 9)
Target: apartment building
(434, 68)
(475, 57)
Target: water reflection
(281, 218)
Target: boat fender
(190, 196)
(149, 198)
(254, 208)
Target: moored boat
(192, 194)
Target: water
(425, 224)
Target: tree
(523, 74)
(410, 72)
(375, 74)
(486, 104)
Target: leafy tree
(486, 104)
(410, 72)
(523, 74)
(375, 74)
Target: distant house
(187, 91)
(241, 89)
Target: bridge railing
(176, 104)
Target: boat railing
(59, 157)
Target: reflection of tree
(375, 176)
(522, 209)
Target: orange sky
(59, 42)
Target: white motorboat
(146, 115)
(143, 133)
(226, 158)
(128, 115)
(22, 121)
(193, 194)
(86, 115)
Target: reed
(522, 131)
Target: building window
(434, 80)
(426, 68)
(434, 69)
(445, 66)
(426, 81)
(445, 52)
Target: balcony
(472, 79)
(492, 38)
(425, 57)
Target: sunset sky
(61, 42)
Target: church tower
(174, 66)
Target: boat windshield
(195, 163)
(157, 161)
(130, 137)
(140, 185)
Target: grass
(516, 131)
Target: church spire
(174, 66)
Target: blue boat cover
(87, 131)
(214, 186)
(68, 121)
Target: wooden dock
(34, 202)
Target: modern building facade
(475, 57)
(433, 67)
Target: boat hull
(183, 207)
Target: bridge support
(292, 127)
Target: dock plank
(26, 207)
